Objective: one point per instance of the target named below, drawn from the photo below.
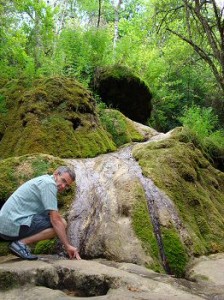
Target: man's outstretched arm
(59, 228)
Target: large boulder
(196, 188)
(161, 218)
(55, 116)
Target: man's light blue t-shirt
(33, 197)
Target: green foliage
(175, 252)
(84, 50)
(200, 126)
(38, 26)
(65, 41)
(215, 143)
(201, 121)
(26, 37)
(13, 55)
(177, 84)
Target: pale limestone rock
(208, 269)
(108, 280)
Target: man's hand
(73, 252)
(59, 226)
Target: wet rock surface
(53, 278)
(108, 189)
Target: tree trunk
(99, 13)
(116, 21)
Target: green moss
(212, 146)
(8, 280)
(199, 278)
(196, 188)
(4, 248)
(55, 116)
(117, 125)
(144, 230)
(117, 72)
(46, 247)
(174, 249)
(65, 199)
(175, 252)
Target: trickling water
(97, 199)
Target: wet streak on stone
(155, 222)
(151, 193)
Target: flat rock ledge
(53, 278)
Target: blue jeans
(38, 224)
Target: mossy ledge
(175, 252)
(55, 116)
(196, 188)
(121, 129)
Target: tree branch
(201, 53)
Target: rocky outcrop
(159, 211)
(161, 218)
(195, 187)
(207, 269)
(157, 203)
(54, 116)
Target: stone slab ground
(60, 279)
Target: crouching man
(31, 214)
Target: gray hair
(64, 169)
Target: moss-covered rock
(175, 252)
(46, 247)
(8, 280)
(196, 188)
(143, 228)
(120, 128)
(54, 116)
(4, 248)
(121, 89)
